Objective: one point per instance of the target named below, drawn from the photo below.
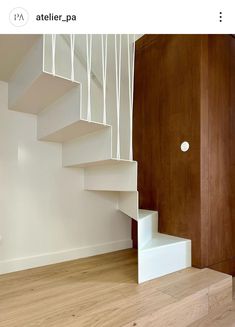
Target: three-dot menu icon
(220, 16)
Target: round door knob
(184, 146)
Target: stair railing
(113, 49)
(88, 58)
(131, 69)
(104, 49)
(118, 67)
(72, 48)
(53, 48)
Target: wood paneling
(184, 91)
(166, 113)
(220, 235)
(227, 266)
(204, 153)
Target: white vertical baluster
(88, 55)
(104, 43)
(53, 44)
(129, 93)
(131, 68)
(118, 62)
(44, 49)
(72, 46)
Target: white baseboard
(23, 263)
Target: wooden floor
(103, 291)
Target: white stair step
(147, 227)
(128, 203)
(99, 163)
(161, 240)
(90, 148)
(162, 255)
(57, 122)
(39, 93)
(76, 129)
(30, 88)
(13, 49)
(143, 213)
(93, 164)
(111, 175)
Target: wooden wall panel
(232, 146)
(219, 102)
(166, 113)
(227, 266)
(204, 153)
(185, 90)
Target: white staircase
(159, 254)
(57, 102)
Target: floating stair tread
(160, 240)
(103, 162)
(145, 213)
(13, 49)
(43, 91)
(79, 128)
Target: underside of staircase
(86, 144)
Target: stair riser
(26, 73)
(92, 147)
(129, 203)
(177, 314)
(63, 112)
(31, 89)
(116, 177)
(147, 227)
(163, 260)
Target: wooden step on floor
(196, 294)
(221, 317)
(103, 291)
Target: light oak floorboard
(103, 291)
(224, 317)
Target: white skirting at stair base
(61, 256)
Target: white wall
(45, 216)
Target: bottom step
(162, 255)
(194, 294)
